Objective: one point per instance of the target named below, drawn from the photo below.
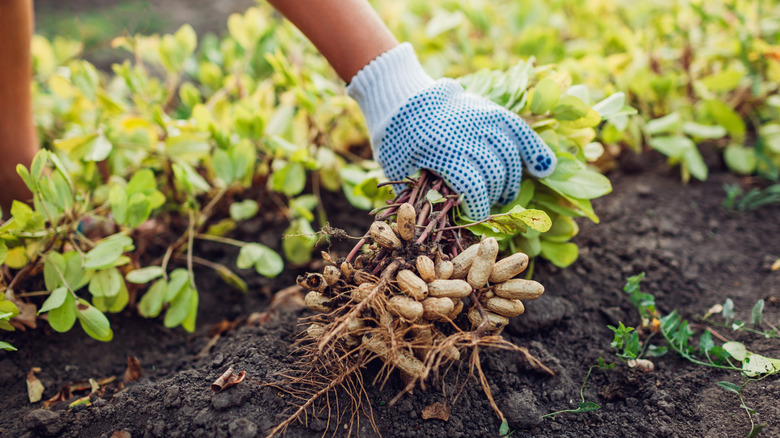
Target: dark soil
(695, 254)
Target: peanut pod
(347, 270)
(411, 285)
(405, 220)
(495, 321)
(444, 270)
(315, 331)
(426, 268)
(355, 325)
(383, 235)
(450, 352)
(449, 288)
(508, 267)
(462, 263)
(402, 359)
(458, 308)
(405, 307)
(519, 289)
(362, 291)
(316, 302)
(483, 263)
(505, 307)
(331, 274)
(437, 309)
(312, 281)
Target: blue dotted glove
(473, 143)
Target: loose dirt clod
(400, 296)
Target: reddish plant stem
(417, 187)
(355, 250)
(431, 224)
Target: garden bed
(695, 252)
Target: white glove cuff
(384, 85)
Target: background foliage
(188, 127)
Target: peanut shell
(449, 288)
(483, 263)
(508, 267)
(405, 220)
(519, 289)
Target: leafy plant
(679, 335)
(739, 200)
(584, 406)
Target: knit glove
(418, 123)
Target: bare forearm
(18, 142)
(348, 33)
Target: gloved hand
(471, 142)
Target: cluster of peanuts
(426, 289)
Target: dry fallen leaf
(64, 394)
(27, 313)
(289, 299)
(776, 265)
(437, 411)
(133, 371)
(227, 379)
(121, 434)
(34, 386)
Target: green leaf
(728, 386)
(570, 108)
(666, 124)
(55, 300)
(231, 278)
(52, 267)
(757, 313)
(138, 210)
(695, 163)
(7, 346)
(113, 304)
(265, 260)
(560, 254)
(179, 308)
(517, 219)
(177, 282)
(545, 96)
(728, 310)
(584, 184)
(104, 254)
(72, 143)
(740, 159)
(703, 131)
(290, 179)
(192, 313)
(672, 146)
(152, 302)
(611, 105)
(705, 342)
(243, 210)
(99, 149)
(144, 275)
(587, 407)
(737, 350)
(503, 430)
(726, 80)
(3, 251)
(298, 241)
(93, 321)
(726, 117)
(106, 283)
(223, 165)
(62, 318)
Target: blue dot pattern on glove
(473, 143)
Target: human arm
(414, 122)
(18, 142)
(348, 33)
